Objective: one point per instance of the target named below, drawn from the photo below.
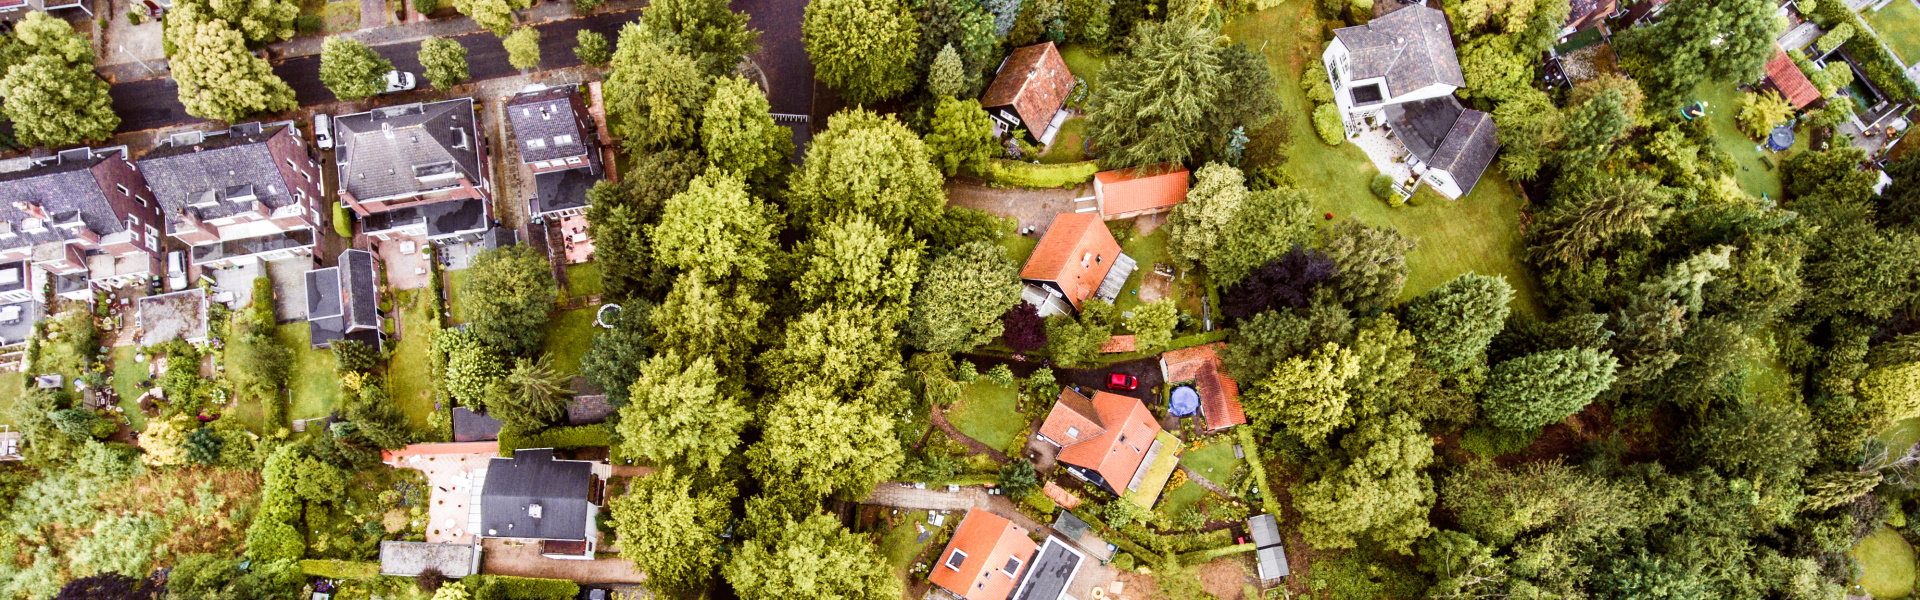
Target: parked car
(400, 81)
(176, 270)
(323, 131)
(1122, 381)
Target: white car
(400, 81)
(176, 270)
(323, 131)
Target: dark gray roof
(1447, 136)
(363, 308)
(1265, 530)
(400, 151)
(1273, 563)
(562, 190)
(1047, 578)
(532, 478)
(448, 217)
(1411, 47)
(342, 302)
(292, 238)
(469, 426)
(407, 559)
(1271, 555)
(216, 174)
(541, 116)
(61, 185)
(323, 294)
(588, 409)
(13, 276)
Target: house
(1077, 259)
(83, 216)
(408, 559)
(986, 558)
(166, 317)
(1052, 572)
(558, 142)
(343, 302)
(397, 163)
(533, 497)
(1030, 91)
(1109, 440)
(1403, 56)
(1128, 193)
(1448, 146)
(251, 192)
(1586, 14)
(1199, 366)
(1786, 77)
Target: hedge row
(1268, 499)
(561, 438)
(1201, 556)
(505, 587)
(340, 569)
(1879, 64)
(1032, 175)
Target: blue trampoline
(1781, 138)
(1185, 401)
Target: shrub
(308, 24)
(1760, 113)
(560, 438)
(1839, 35)
(1031, 175)
(585, 6)
(1314, 82)
(136, 17)
(504, 587)
(1326, 122)
(426, 6)
(340, 569)
(1382, 186)
(1001, 374)
(342, 221)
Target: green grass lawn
(1145, 250)
(900, 544)
(1085, 63)
(127, 376)
(1753, 174)
(569, 335)
(1479, 233)
(410, 371)
(1069, 144)
(1187, 495)
(584, 279)
(12, 386)
(1018, 247)
(456, 281)
(988, 412)
(1899, 25)
(1214, 461)
(316, 390)
(1886, 562)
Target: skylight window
(954, 560)
(536, 143)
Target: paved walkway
(979, 447)
(500, 557)
(1204, 482)
(903, 495)
(373, 14)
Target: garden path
(979, 447)
(904, 495)
(1204, 482)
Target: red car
(1122, 381)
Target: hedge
(506, 587)
(342, 222)
(1032, 175)
(1268, 499)
(340, 569)
(1866, 48)
(561, 438)
(1201, 556)
(1326, 122)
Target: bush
(308, 24)
(559, 438)
(585, 6)
(1031, 175)
(1314, 82)
(342, 220)
(426, 6)
(136, 17)
(1382, 186)
(1326, 122)
(340, 569)
(1122, 561)
(1880, 66)
(504, 587)
(1839, 35)
(1760, 113)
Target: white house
(1403, 56)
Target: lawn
(1754, 176)
(1899, 25)
(1069, 144)
(316, 390)
(988, 412)
(1018, 247)
(410, 371)
(569, 335)
(1085, 63)
(456, 281)
(127, 376)
(1886, 563)
(901, 544)
(11, 388)
(584, 279)
(1181, 498)
(1214, 461)
(1479, 233)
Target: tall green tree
(681, 412)
(1697, 41)
(717, 230)
(1381, 495)
(258, 21)
(445, 62)
(351, 70)
(1196, 226)
(1152, 102)
(1529, 128)
(1543, 388)
(739, 134)
(716, 320)
(1372, 262)
(1593, 127)
(495, 15)
(591, 48)
(842, 351)
(620, 215)
(1306, 394)
(867, 164)
(958, 303)
(961, 136)
(1457, 320)
(507, 299)
(947, 77)
(1153, 323)
(717, 37)
(672, 532)
(864, 48)
(531, 397)
(655, 90)
(856, 262)
(523, 48)
(220, 80)
(1269, 225)
(55, 103)
(817, 445)
(810, 557)
(613, 362)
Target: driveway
(783, 55)
(501, 557)
(1088, 380)
(289, 278)
(1034, 208)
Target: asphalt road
(152, 103)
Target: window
(1073, 432)
(574, 160)
(563, 140)
(1367, 94)
(143, 201)
(954, 560)
(123, 189)
(536, 144)
(1013, 566)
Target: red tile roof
(1035, 81)
(1117, 452)
(1140, 188)
(1792, 83)
(1072, 420)
(1118, 343)
(1075, 254)
(440, 448)
(1219, 394)
(985, 541)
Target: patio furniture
(406, 247)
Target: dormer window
(536, 143)
(954, 560)
(563, 140)
(1013, 566)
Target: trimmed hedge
(1866, 48)
(1032, 175)
(1268, 499)
(560, 438)
(340, 569)
(1326, 122)
(506, 587)
(1201, 556)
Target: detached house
(986, 558)
(343, 302)
(415, 171)
(1400, 70)
(1792, 84)
(249, 193)
(81, 217)
(558, 142)
(1110, 440)
(1139, 191)
(1030, 91)
(534, 497)
(1077, 259)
